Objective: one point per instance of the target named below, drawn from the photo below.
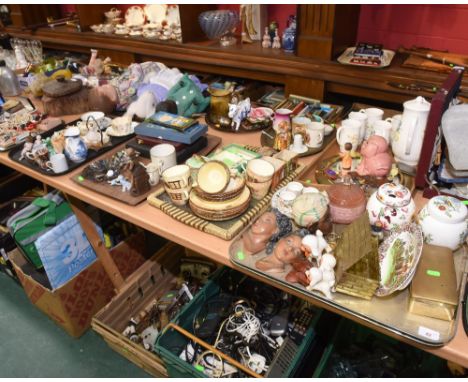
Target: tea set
(153, 21)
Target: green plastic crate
(171, 343)
(349, 332)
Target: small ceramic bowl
(213, 177)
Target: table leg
(96, 242)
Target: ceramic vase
(218, 24)
(444, 222)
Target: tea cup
(373, 114)
(178, 183)
(361, 117)
(259, 177)
(295, 187)
(286, 199)
(349, 131)
(383, 128)
(316, 133)
(165, 155)
(58, 163)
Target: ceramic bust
(376, 160)
(444, 222)
(391, 206)
(257, 237)
(287, 250)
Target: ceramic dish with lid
(347, 202)
(398, 258)
(213, 177)
(391, 206)
(444, 222)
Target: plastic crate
(171, 343)
(348, 333)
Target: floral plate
(276, 203)
(398, 258)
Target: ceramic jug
(75, 148)
(282, 127)
(407, 139)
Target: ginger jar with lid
(391, 206)
(444, 222)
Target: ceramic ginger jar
(391, 206)
(347, 202)
(444, 222)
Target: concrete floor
(32, 345)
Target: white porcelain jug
(407, 139)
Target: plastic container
(171, 343)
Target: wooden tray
(115, 192)
(15, 153)
(390, 313)
(225, 229)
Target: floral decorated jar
(347, 202)
(444, 222)
(391, 206)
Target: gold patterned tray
(224, 229)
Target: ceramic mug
(348, 132)
(383, 128)
(164, 154)
(154, 171)
(373, 114)
(178, 183)
(58, 163)
(259, 177)
(361, 117)
(316, 134)
(286, 199)
(295, 187)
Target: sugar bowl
(391, 206)
(347, 202)
(444, 222)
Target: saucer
(328, 129)
(300, 151)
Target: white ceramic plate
(135, 16)
(155, 13)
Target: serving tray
(224, 229)
(15, 153)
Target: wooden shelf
(305, 76)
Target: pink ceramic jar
(347, 203)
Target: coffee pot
(407, 139)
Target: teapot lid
(418, 104)
(346, 195)
(447, 209)
(61, 87)
(394, 195)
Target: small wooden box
(433, 290)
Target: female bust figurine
(266, 231)
(287, 251)
(376, 161)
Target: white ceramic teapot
(407, 139)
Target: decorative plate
(135, 16)
(398, 258)
(155, 13)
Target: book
(188, 136)
(172, 121)
(364, 49)
(150, 142)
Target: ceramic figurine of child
(283, 136)
(276, 41)
(28, 145)
(323, 277)
(346, 160)
(376, 160)
(266, 42)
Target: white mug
(383, 128)
(286, 199)
(373, 114)
(361, 117)
(348, 132)
(165, 155)
(316, 132)
(58, 163)
(295, 187)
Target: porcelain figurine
(259, 234)
(286, 251)
(276, 41)
(313, 246)
(282, 127)
(238, 112)
(140, 181)
(297, 275)
(28, 145)
(95, 66)
(391, 206)
(58, 141)
(75, 148)
(376, 160)
(444, 221)
(322, 278)
(266, 42)
(346, 160)
(144, 107)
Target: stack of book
(367, 54)
(187, 135)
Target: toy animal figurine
(266, 42)
(238, 112)
(323, 277)
(144, 107)
(313, 246)
(276, 41)
(121, 181)
(376, 160)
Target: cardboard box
(73, 305)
